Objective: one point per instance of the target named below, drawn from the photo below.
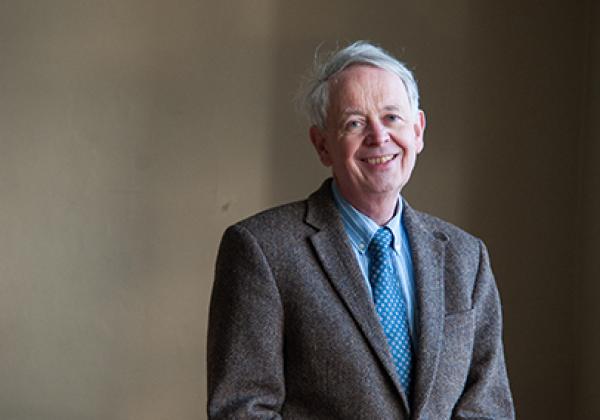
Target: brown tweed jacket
(293, 332)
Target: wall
(133, 132)
(586, 308)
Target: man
(350, 304)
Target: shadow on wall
(524, 88)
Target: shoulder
(451, 231)
(276, 221)
(275, 217)
(274, 232)
(295, 220)
(441, 228)
(460, 244)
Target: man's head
(366, 122)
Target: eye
(354, 125)
(393, 118)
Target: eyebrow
(356, 111)
(352, 111)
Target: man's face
(372, 138)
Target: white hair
(314, 96)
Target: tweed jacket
(293, 331)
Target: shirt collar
(360, 228)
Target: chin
(386, 185)
(384, 189)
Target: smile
(379, 159)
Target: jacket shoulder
(284, 220)
(453, 232)
(460, 243)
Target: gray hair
(314, 96)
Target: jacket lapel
(339, 262)
(427, 249)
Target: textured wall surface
(133, 132)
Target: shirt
(360, 229)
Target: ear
(319, 140)
(419, 127)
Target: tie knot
(381, 240)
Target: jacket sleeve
(487, 393)
(245, 333)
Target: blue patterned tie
(389, 303)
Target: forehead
(364, 86)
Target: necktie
(390, 305)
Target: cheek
(344, 152)
(408, 142)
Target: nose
(377, 133)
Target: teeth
(380, 160)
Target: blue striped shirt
(360, 229)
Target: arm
(487, 394)
(245, 333)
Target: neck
(378, 207)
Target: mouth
(380, 160)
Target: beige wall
(133, 132)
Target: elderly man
(351, 304)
